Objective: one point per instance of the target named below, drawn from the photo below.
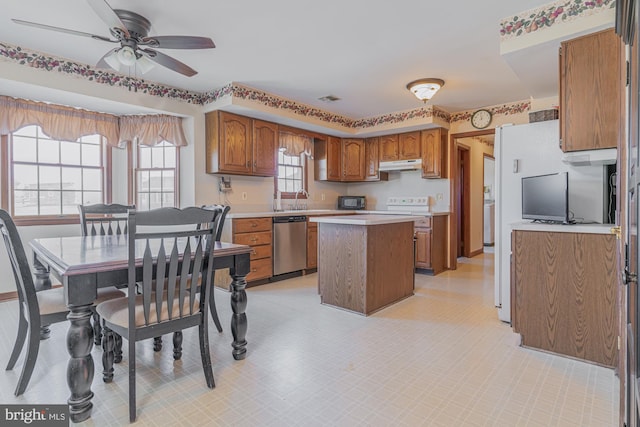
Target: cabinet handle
(255, 164)
(248, 163)
(254, 239)
(253, 270)
(254, 224)
(253, 252)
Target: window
(50, 178)
(291, 174)
(156, 176)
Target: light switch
(516, 166)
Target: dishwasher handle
(284, 219)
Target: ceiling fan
(131, 31)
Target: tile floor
(439, 358)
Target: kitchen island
(365, 262)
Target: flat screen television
(545, 198)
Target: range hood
(401, 165)
(605, 156)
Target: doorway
(466, 186)
(488, 191)
(463, 196)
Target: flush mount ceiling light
(424, 89)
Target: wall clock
(481, 119)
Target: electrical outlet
(322, 196)
(244, 195)
(439, 196)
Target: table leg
(41, 282)
(238, 318)
(80, 367)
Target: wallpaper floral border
(82, 71)
(75, 69)
(557, 12)
(503, 109)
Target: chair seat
(51, 301)
(116, 311)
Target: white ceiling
(364, 52)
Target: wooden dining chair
(224, 209)
(103, 220)
(36, 308)
(174, 279)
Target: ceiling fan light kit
(424, 89)
(131, 31)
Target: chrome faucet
(303, 191)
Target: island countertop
(366, 219)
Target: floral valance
(57, 121)
(295, 144)
(69, 124)
(152, 130)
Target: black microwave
(351, 202)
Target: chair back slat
(173, 259)
(21, 270)
(184, 275)
(101, 219)
(224, 211)
(197, 266)
(161, 268)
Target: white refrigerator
(528, 150)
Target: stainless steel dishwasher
(289, 244)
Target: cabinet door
(409, 145)
(591, 88)
(312, 245)
(334, 159)
(431, 153)
(265, 148)
(371, 161)
(353, 156)
(388, 148)
(235, 143)
(423, 247)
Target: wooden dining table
(84, 264)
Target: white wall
(405, 183)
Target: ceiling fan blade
(103, 62)
(104, 11)
(62, 30)
(169, 62)
(179, 42)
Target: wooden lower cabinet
(257, 233)
(563, 293)
(312, 245)
(431, 243)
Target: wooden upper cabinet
(235, 143)
(353, 160)
(334, 158)
(591, 82)
(371, 159)
(265, 148)
(434, 143)
(409, 145)
(389, 148)
(240, 145)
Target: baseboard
(476, 253)
(8, 296)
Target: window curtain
(57, 121)
(152, 129)
(294, 144)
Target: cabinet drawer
(246, 225)
(424, 222)
(260, 269)
(253, 239)
(259, 252)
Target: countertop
(366, 219)
(562, 228)
(320, 212)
